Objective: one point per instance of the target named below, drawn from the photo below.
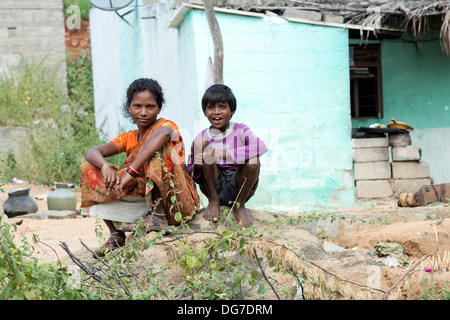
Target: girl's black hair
(140, 85)
(218, 93)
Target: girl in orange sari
(153, 172)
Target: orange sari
(163, 171)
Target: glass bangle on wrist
(131, 176)
(132, 173)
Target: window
(365, 81)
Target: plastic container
(62, 198)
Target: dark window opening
(365, 81)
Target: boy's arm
(252, 146)
(193, 166)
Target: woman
(153, 172)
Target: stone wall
(385, 167)
(12, 139)
(32, 30)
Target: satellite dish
(113, 5)
(110, 5)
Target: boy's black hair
(140, 85)
(218, 93)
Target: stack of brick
(372, 168)
(409, 173)
(376, 177)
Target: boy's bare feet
(212, 211)
(242, 216)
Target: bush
(61, 121)
(23, 278)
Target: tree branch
(217, 40)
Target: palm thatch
(414, 15)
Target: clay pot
(19, 202)
(62, 198)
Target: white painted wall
(105, 48)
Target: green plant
(22, 277)
(432, 291)
(84, 6)
(80, 85)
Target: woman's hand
(119, 187)
(110, 179)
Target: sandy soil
(52, 231)
(418, 237)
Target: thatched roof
(412, 16)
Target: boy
(224, 158)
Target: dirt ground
(418, 237)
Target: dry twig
(406, 272)
(264, 274)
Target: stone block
(370, 143)
(51, 214)
(370, 154)
(408, 185)
(373, 189)
(302, 14)
(408, 153)
(372, 170)
(399, 139)
(410, 170)
(333, 18)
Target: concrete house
(305, 73)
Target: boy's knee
(253, 164)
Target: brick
(408, 185)
(408, 153)
(374, 189)
(370, 143)
(410, 170)
(303, 14)
(372, 170)
(399, 139)
(370, 154)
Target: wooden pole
(217, 41)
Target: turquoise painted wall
(416, 82)
(416, 90)
(291, 81)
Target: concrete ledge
(302, 14)
(51, 214)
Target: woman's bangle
(133, 173)
(108, 165)
(133, 177)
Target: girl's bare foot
(242, 216)
(212, 211)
